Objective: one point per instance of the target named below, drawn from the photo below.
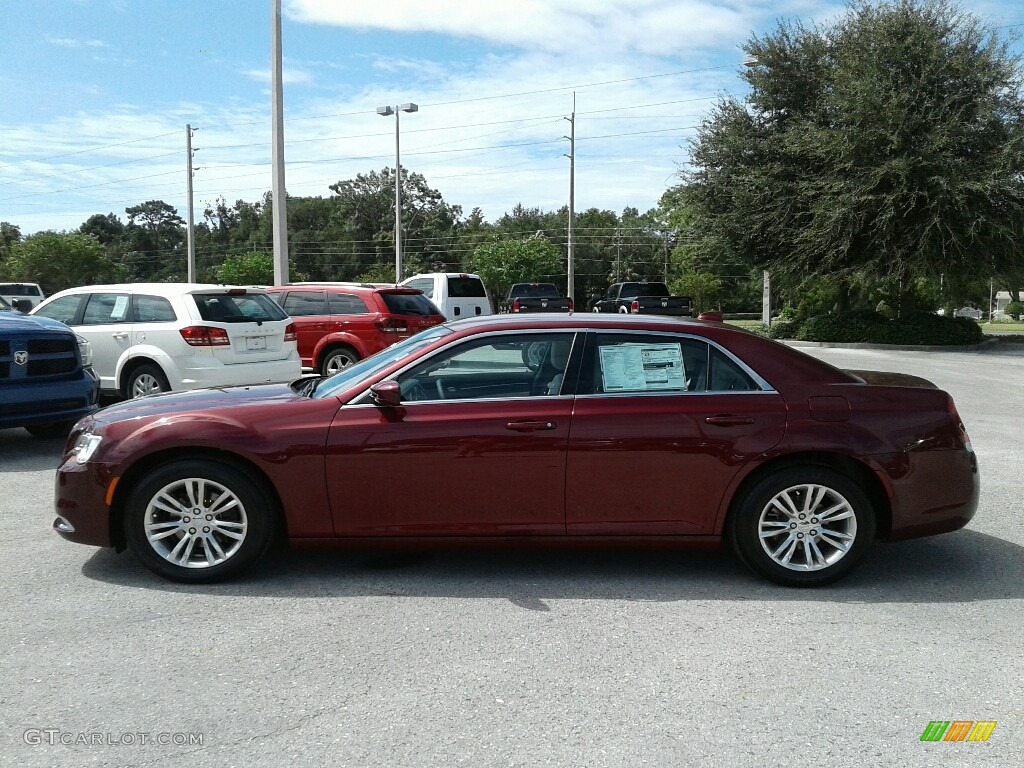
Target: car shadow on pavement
(20, 452)
(962, 567)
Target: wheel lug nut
(792, 525)
(206, 529)
(814, 532)
(192, 530)
(799, 535)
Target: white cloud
(68, 42)
(569, 26)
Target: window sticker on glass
(120, 308)
(642, 367)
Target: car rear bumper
(939, 492)
(184, 374)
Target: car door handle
(530, 426)
(120, 336)
(729, 420)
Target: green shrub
(784, 329)
(921, 328)
(1015, 309)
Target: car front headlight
(85, 446)
(85, 350)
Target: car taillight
(515, 305)
(572, 306)
(205, 336)
(635, 307)
(289, 333)
(392, 325)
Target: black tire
(337, 359)
(233, 505)
(772, 538)
(50, 431)
(147, 379)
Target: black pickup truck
(535, 297)
(642, 298)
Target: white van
(21, 296)
(456, 294)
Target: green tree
(247, 269)
(154, 243)
(704, 288)
(500, 263)
(59, 260)
(889, 145)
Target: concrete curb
(985, 345)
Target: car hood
(17, 322)
(173, 403)
(888, 379)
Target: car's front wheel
(803, 526)
(199, 521)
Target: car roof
(166, 289)
(346, 287)
(579, 320)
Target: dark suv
(45, 384)
(340, 323)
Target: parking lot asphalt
(537, 658)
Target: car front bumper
(80, 501)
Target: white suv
(157, 337)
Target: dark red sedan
(578, 429)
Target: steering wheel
(415, 392)
(440, 388)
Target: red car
(649, 430)
(341, 323)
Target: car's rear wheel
(199, 521)
(338, 359)
(803, 526)
(147, 380)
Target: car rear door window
(347, 304)
(305, 303)
(425, 284)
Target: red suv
(340, 323)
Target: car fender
(340, 337)
(234, 441)
(152, 353)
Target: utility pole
(191, 208)
(280, 212)
(571, 277)
(618, 252)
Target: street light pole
(387, 112)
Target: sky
(95, 96)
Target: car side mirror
(387, 394)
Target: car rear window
(409, 304)
(20, 289)
(237, 308)
(535, 290)
(465, 288)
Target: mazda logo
(21, 357)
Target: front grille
(49, 357)
(51, 366)
(50, 346)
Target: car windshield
(345, 378)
